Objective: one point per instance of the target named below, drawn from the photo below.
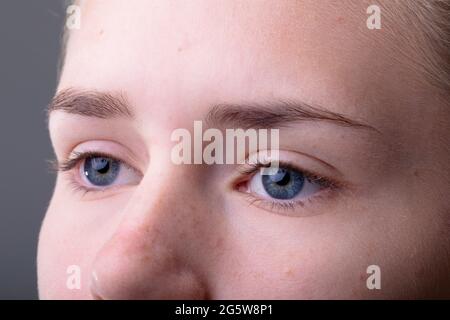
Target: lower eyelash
(287, 205)
(76, 186)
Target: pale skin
(186, 231)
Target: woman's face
(368, 175)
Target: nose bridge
(163, 200)
(146, 256)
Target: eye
(286, 184)
(104, 171)
(101, 171)
(92, 171)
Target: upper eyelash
(252, 168)
(73, 160)
(286, 206)
(76, 157)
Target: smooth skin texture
(187, 231)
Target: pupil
(101, 165)
(101, 171)
(282, 177)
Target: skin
(186, 231)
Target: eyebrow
(279, 114)
(271, 114)
(91, 103)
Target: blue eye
(101, 171)
(284, 184)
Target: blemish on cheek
(289, 273)
(416, 173)
(340, 20)
(101, 32)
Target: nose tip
(131, 267)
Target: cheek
(322, 256)
(266, 256)
(69, 238)
(58, 250)
(267, 270)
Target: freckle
(289, 272)
(416, 173)
(101, 32)
(180, 49)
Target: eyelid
(293, 208)
(108, 148)
(76, 157)
(331, 185)
(310, 166)
(290, 207)
(249, 170)
(72, 166)
(98, 148)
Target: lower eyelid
(88, 193)
(292, 208)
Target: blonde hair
(425, 29)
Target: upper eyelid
(105, 146)
(252, 169)
(72, 161)
(249, 169)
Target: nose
(147, 257)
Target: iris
(101, 171)
(284, 184)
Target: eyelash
(74, 161)
(247, 172)
(327, 186)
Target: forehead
(317, 50)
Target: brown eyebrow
(91, 103)
(277, 114)
(267, 115)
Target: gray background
(29, 48)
